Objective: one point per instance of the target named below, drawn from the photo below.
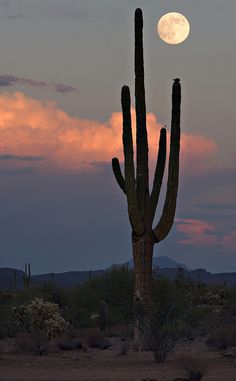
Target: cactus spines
(141, 204)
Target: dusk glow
(63, 65)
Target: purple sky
(63, 64)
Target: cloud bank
(31, 128)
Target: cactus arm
(118, 174)
(134, 217)
(140, 106)
(167, 218)
(159, 172)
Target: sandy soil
(107, 365)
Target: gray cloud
(209, 216)
(4, 3)
(211, 206)
(65, 89)
(10, 80)
(21, 158)
(9, 9)
(17, 171)
(65, 10)
(100, 164)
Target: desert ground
(109, 364)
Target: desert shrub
(103, 316)
(41, 316)
(189, 302)
(124, 331)
(195, 367)
(95, 338)
(115, 288)
(232, 301)
(178, 296)
(26, 295)
(69, 341)
(9, 325)
(36, 342)
(222, 337)
(124, 347)
(52, 293)
(161, 333)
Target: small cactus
(27, 275)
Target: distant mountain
(67, 279)
(162, 263)
(11, 279)
(201, 275)
(204, 276)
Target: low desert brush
(195, 367)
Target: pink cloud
(197, 232)
(201, 233)
(33, 127)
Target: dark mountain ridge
(13, 279)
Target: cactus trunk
(142, 254)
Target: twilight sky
(63, 63)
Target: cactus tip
(125, 91)
(138, 13)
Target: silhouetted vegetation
(103, 307)
(195, 367)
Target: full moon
(173, 28)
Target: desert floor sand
(109, 365)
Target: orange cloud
(33, 127)
(197, 232)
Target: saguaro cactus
(141, 203)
